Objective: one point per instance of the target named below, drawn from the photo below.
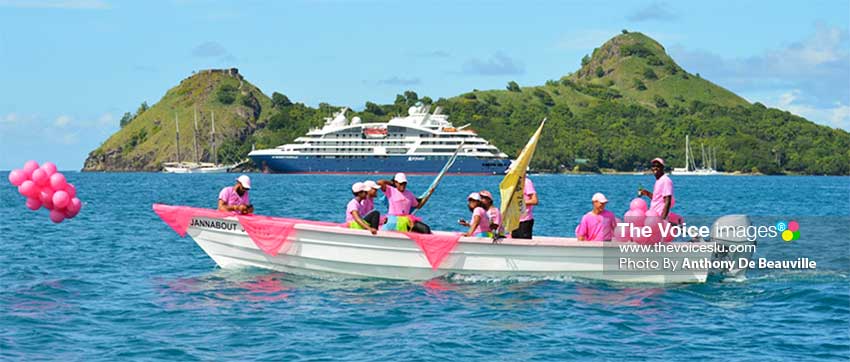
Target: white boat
(419, 143)
(321, 250)
(196, 167)
(690, 169)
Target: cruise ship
(419, 143)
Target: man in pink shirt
(662, 193)
(598, 224)
(235, 198)
(526, 219)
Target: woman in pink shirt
(492, 212)
(401, 202)
(479, 226)
(598, 224)
(355, 216)
(526, 219)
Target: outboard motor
(730, 234)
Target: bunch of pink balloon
(45, 187)
(639, 217)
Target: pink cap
(485, 193)
(659, 160)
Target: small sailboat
(197, 167)
(690, 169)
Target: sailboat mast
(177, 128)
(687, 150)
(212, 142)
(195, 135)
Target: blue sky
(70, 68)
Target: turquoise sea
(116, 283)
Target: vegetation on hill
(628, 103)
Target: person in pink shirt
(401, 201)
(492, 212)
(598, 224)
(235, 198)
(526, 219)
(479, 226)
(354, 213)
(662, 193)
(371, 192)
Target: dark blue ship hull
(378, 164)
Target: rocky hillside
(148, 140)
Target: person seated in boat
(479, 225)
(235, 198)
(401, 202)
(598, 224)
(371, 193)
(492, 212)
(355, 216)
(662, 193)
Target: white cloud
(105, 119)
(836, 115)
(498, 64)
(11, 117)
(55, 4)
(62, 121)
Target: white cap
(371, 185)
(400, 178)
(358, 186)
(474, 196)
(599, 197)
(245, 181)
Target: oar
(427, 194)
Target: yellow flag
(511, 187)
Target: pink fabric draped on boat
(178, 217)
(435, 246)
(270, 234)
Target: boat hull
(321, 250)
(378, 164)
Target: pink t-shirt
(368, 205)
(231, 198)
(495, 217)
(483, 221)
(399, 202)
(528, 190)
(597, 227)
(663, 187)
(353, 205)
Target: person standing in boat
(598, 224)
(662, 193)
(492, 212)
(526, 219)
(355, 216)
(235, 198)
(479, 225)
(401, 202)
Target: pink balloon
(33, 203)
(71, 190)
(40, 177)
(75, 205)
(73, 208)
(637, 204)
(57, 215)
(28, 189)
(635, 217)
(654, 223)
(670, 231)
(60, 199)
(29, 167)
(46, 197)
(675, 218)
(621, 233)
(49, 168)
(650, 213)
(57, 181)
(17, 177)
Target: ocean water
(116, 283)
